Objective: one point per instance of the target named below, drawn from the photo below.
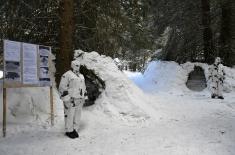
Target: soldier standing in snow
(72, 90)
(216, 77)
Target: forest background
(135, 31)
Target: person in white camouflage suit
(72, 91)
(216, 77)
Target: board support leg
(52, 106)
(4, 112)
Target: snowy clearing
(171, 119)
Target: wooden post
(4, 111)
(52, 106)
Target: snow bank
(28, 105)
(229, 79)
(121, 97)
(29, 109)
(163, 76)
(136, 77)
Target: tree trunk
(225, 33)
(11, 18)
(232, 2)
(66, 38)
(207, 32)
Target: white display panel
(30, 69)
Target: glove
(64, 93)
(66, 98)
(79, 101)
(67, 105)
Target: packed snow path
(187, 124)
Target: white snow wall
(121, 96)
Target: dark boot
(70, 135)
(213, 96)
(75, 133)
(220, 97)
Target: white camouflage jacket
(72, 86)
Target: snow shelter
(94, 85)
(196, 79)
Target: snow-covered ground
(168, 119)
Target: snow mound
(121, 96)
(136, 77)
(171, 77)
(229, 82)
(162, 76)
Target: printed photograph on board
(44, 76)
(44, 61)
(13, 76)
(12, 66)
(44, 53)
(44, 72)
(44, 50)
(45, 81)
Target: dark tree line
(132, 30)
(117, 28)
(199, 30)
(227, 32)
(29, 21)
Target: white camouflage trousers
(72, 114)
(217, 88)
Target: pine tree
(207, 32)
(66, 38)
(227, 32)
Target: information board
(26, 64)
